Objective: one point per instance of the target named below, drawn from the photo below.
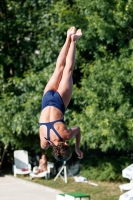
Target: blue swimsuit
(52, 98)
(50, 125)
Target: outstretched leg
(66, 83)
(60, 64)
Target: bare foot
(71, 31)
(77, 35)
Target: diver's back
(50, 113)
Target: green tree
(105, 94)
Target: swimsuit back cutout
(50, 125)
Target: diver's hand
(79, 153)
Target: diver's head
(62, 152)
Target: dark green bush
(106, 168)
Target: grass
(104, 190)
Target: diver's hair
(61, 151)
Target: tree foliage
(31, 35)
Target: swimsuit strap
(55, 133)
(50, 125)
